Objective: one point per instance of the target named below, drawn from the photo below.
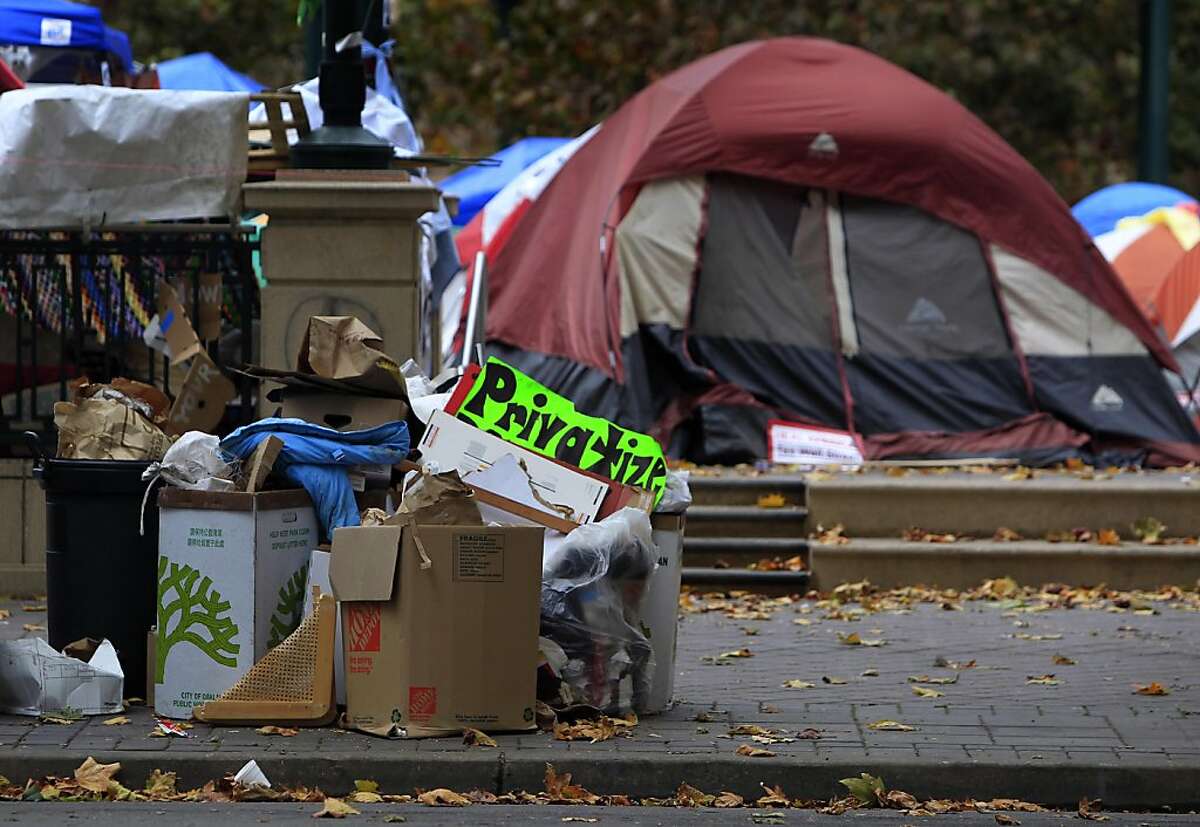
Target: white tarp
(73, 155)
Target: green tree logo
(289, 611)
(198, 608)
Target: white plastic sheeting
(75, 155)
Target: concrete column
(340, 248)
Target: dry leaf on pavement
(580, 819)
(475, 738)
(1063, 660)
(120, 720)
(754, 752)
(689, 796)
(1008, 820)
(441, 797)
(1153, 688)
(890, 726)
(1090, 810)
(34, 627)
(5, 614)
(937, 681)
(832, 680)
(853, 639)
(925, 692)
(749, 729)
(1108, 537)
(94, 776)
(772, 501)
(1042, 680)
(560, 789)
(900, 800)
(798, 684)
(160, 784)
(1149, 530)
(835, 536)
(866, 789)
(335, 808)
(728, 799)
(40, 607)
(286, 732)
(1006, 535)
(737, 653)
(774, 797)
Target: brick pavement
(992, 734)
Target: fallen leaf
(1108, 537)
(41, 607)
(754, 752)
(1154, 688)
(925, 692)
(1006, 535)
(335, 808)
(365, 798)
(120, 720)
(689, 796)
(1027, 636)
(286, 732)
(869, 673)
(890, 726)
(160, 784)
(832, 680)
(901, 800)
(580, 819)
(95, 776)
(5, 614)
(1090, 810)
(737, 653)
(366, 785)
(560, 789)
(1063, 660)
(441, 797)
(34, 627)
(1148, 530)
(394, 819)
(937, 681)
(866, 789)
(749, 729)
(475, 738)
(1042, 680)
(774, 797)
(727, 800)
(853, 639)
(809, 734)
(835, 536)
(1008, 820)
(1021, 473)
(795, 684)
(771, 501)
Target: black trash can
(101, 574)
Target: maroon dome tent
(798, 229)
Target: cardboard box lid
(363, 565)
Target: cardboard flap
(363, 564)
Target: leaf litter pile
(93, 781)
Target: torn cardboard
(345, 349)
(208, 312)
(340, 411)
(201, 402)
(429, 651)
(261, 463)
(438, 499)
(181, 337)
(36, 680)
(106, 429)
(507, 496)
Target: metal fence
(78, 302)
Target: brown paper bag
(342, 347)
(438, 499)
(106, 429)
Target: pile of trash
(426, 555)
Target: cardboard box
(340, 411)
(432, 649)
(454, 444)
(318, 575)
(232, 568)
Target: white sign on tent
(790, 443)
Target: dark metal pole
(1153, 102)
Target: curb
(655, 775)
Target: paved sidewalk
(992, 733)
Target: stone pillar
(340, 248)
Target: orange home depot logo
(364, 628)
(422, 702)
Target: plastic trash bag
(677, 496)
(592, 588)
(195, 461)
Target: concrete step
(745, 521)
(876, 505)
(892, 562)
(765, 582)
(732, 488)
(738, 552)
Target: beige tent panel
(1051, 319)
(657, 245)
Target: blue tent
(1100, 211)
(475, 186)
(205, 72)
(61, 25)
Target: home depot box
(439, 633)
(231, 574)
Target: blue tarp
(62, 25)
(1100, 211)
(475, 186)
(204, 71)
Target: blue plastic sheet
(316, 458)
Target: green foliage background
(1057, 79)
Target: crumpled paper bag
(106, 429)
